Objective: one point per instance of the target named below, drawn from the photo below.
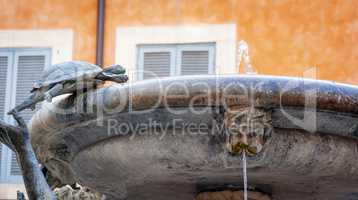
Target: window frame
(175, 51)
(10, 101)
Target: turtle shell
(67, 71)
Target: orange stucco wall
(285, 37)
(78, 15)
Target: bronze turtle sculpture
(68, 78)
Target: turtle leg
(54, 91)
(30, 102)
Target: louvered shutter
(3, 77)
(0, 155)
(15, 168)
(29, 69)
(156, 64)
(194, 62)
(175, 59)
(4, 61)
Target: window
(19, 69)
(174, 60)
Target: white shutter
(4, 60)
(0, 155)
(196, 59)
(15, 168)
(176, 59)
(156, 61)
(29, 67)
(3, 84)
(19, 68)
(194, 62)
(156, 64)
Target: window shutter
(164, 60)
(0, 155)
(4, 61)
(156, 64)
(15, 168)
(194, 62)
(29, 69)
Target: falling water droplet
(244, 56)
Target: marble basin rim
(90, 139)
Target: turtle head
(113, 73)
(114, 69)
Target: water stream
(244, 56)
(244, 174)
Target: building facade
(171, 38)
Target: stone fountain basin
(87, 139)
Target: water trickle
(244, 162)
(244, 174)
(244, 56)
